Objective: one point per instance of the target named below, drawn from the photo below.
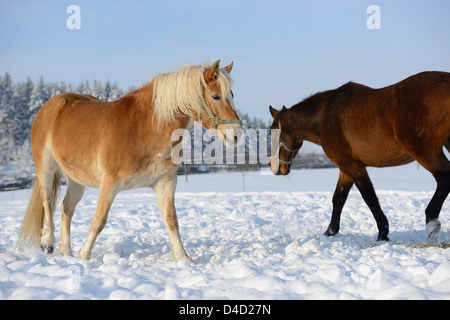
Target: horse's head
(284, 145)
(218, 111)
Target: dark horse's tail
(447, 144)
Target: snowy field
(264, 243)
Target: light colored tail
(30, 231)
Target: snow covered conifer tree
(38, 96)
(115, 93)
(97, 89)
(21, 113)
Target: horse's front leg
(165, 194)
(357, 172)
(343, 187)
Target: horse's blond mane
(181, 92)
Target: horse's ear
(273, 112)
(229, 67)
(284, 108)
(213, 72)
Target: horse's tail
(30, 231)
(447, 144)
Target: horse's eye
(216, 97)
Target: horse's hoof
(433, 227)
(47, 248)
(383, 238)
(330, 232)
(184, 258)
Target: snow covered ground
(264, 243)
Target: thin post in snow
(243, 178)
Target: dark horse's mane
(348, 90)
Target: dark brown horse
(358, 126)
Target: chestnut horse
(358, 126)
(118, 146)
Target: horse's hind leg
(441, 173)
(49, 193)
(49, 178)
(73, 196)
(439, 166)
(433, 225)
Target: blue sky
(283, 50)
